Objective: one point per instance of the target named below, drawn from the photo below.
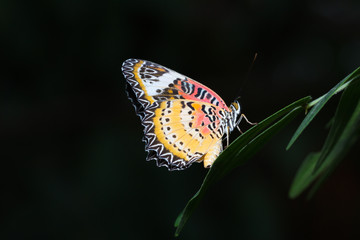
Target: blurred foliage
(343, 134)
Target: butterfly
(184, 121)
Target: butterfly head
(235, 114)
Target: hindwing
(180, 132)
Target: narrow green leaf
(343, 133)
(304, 176)
(344, 112)
(347, 124)
(239, 152)
(319, 104)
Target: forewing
(148, 82)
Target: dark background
(73, 164)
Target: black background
(73, 164)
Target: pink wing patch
(193, 90)
(152, 82)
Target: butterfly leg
(243, 116)
(241, 132)
(227, 137)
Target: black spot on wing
(203, 109)
(182, 104)
(202, 96)
(189, 104)
(168, 104)
(199, 91)
(184, 87)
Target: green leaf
(319, 104)
(345, 111)
(244, 147)
(304, 176)
(343, 134)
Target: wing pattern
(184, 121)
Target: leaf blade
(347, 120)
(243, 144)
(304, 176)
(343, 133)
(320, 104)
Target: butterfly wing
(183, 119)
(180, 132)
(148, 82)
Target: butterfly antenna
(251, 66)
(247, 74)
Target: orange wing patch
(188, 129)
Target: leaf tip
(291, 142)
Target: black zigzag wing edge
(146, 111)
(133, 89)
